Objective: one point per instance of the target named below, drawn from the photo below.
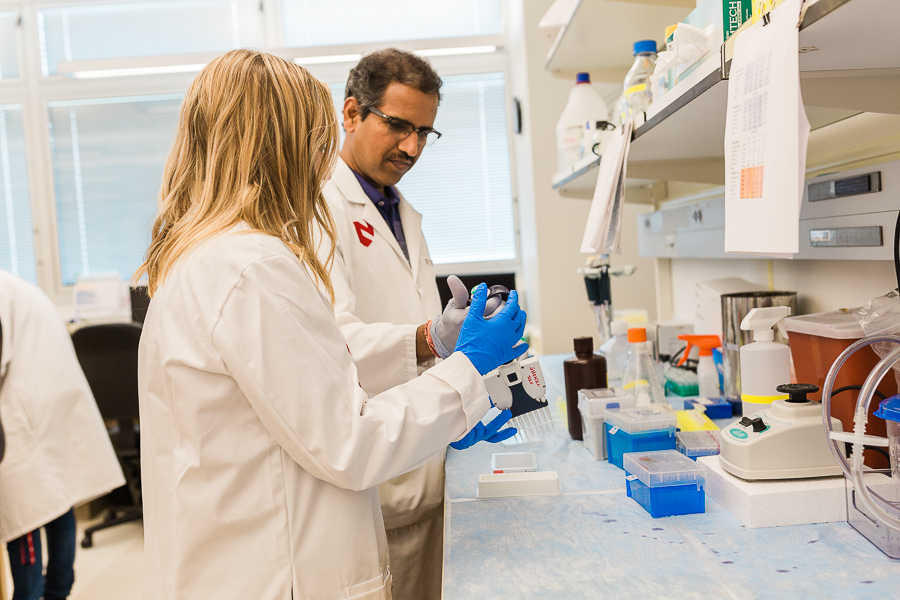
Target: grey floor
(111, 570)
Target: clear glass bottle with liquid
(637, 91)
(615, 350)
(640, 378)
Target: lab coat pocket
(230, 492)
(377, 588)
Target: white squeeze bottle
(615, 349)
(584, 108)
(765, 364)
(707, 373)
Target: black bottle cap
(797, 391)
(584, 344)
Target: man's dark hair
(376, 71)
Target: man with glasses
(385, 290)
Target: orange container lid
(837, 325)
(637, 334)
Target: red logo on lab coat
(363, 230)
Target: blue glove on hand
(491, 343)
(488, 433)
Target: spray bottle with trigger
(706, 368)
(765, 364)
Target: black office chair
(109, 358)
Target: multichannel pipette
(519, 386)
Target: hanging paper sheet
(766, 134)
(601, 233)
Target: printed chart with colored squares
(756, 97)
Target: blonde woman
(260, 450)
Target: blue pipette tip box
(638, 429)
(665, 482)
(716, 408)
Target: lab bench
(593, 541)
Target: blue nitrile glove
(488, 433)
(445, 327)
(490, 343)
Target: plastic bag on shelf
(689, 45)
(881, 316)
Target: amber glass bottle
(584, 371)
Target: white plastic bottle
(615, 349)
(636, 87)
(765, 364)
(641, 379)
(584, 108)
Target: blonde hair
(256, 140)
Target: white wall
(551, 226)
(821, 285)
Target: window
(16, 235)
(129, 30)
(308, 23)
(9, 60)
(108, 156)
(462, 184)
(107, 83)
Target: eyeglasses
(401, 129)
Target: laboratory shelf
(849, 63)
(681, 136)
(578, 181)
(599, 34)
(842, 35)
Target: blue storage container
(665, 483)
(637, 430)
(715, 408)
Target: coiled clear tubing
(879, 508)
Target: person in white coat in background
(386, 297)
(261, 453)
(58, 452)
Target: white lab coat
(58, 452)
(260, 450)
(380, 300)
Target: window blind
(135, 29)
(16, 234)
(9, 59)
(462, 184)
(309, 23)
(108, 156)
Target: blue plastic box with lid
(715, 408)
(637, 430)
(665, 483)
